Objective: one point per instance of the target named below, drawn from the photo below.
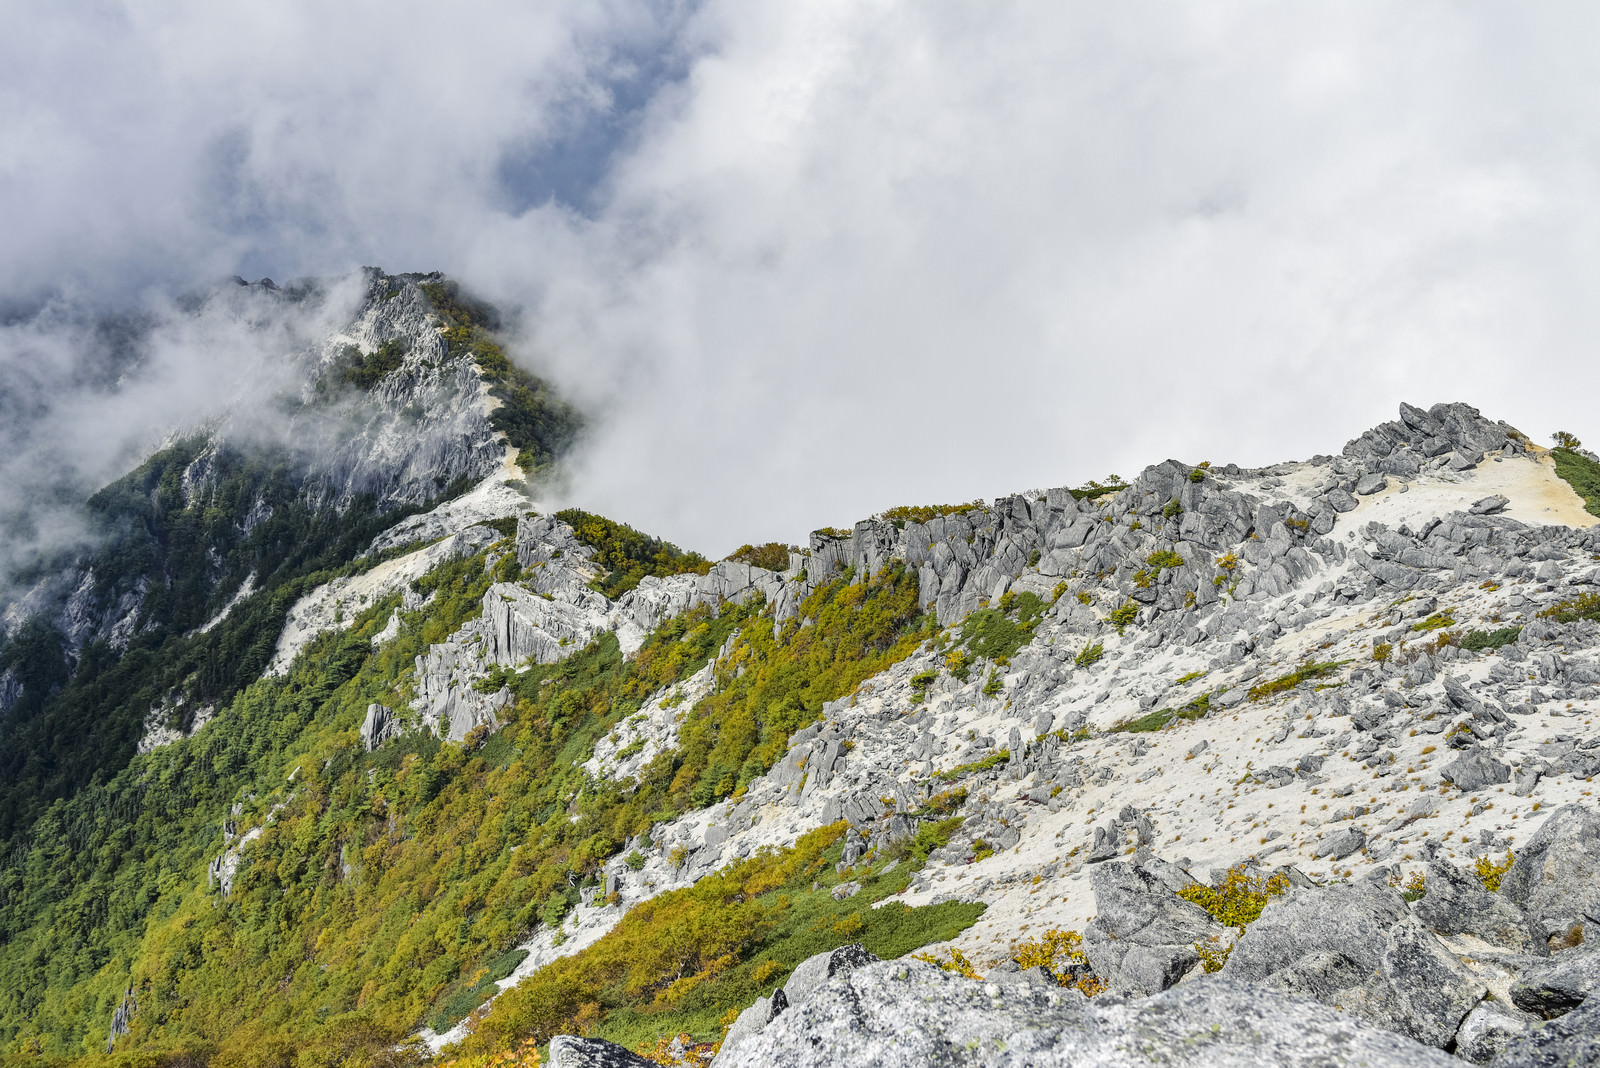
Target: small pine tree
(1565, 440)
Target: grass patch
(1309, 670)
(976, 766)
(1582, 474)
(680, 962)
(1437, 621)
(1478, 641)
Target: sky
(804, 262)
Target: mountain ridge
(963, 717)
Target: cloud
(810, 261)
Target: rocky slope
(1349, 685)
(1341, 668)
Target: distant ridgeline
(204, 547)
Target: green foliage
(1197, 475)
(392, 881)
(189, 555)
(1490, 871)
(1309, 670)
(1184, 680)
(994, 684)
(959, 664)
(1173, 509)
(997, 633)
(1121, 617)
(773, 556)
(1090, 654)
(1157, 562)
(1478, 641)
(352, 369)
(1150, 721)
(1437, 621)
(1581, 473)
(1061, 954)
(540, 425)
(626, 554)
(1093, 490)
(1583, 606)
(976, 766)
(681, 961)
(923, 513)
(1565, 440)
(1239, 898)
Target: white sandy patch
(1536, 492)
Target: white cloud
(823, 258)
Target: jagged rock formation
(1228, 574)
(1226, 668)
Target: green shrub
(773, 556)
(1437, 621)
(1583, 606)
(1150, 721)
(985, 764)
(1090, 654)
(626, 555)
(1121, 617)
(993, 685)
(1238, 900)
(993, 633)
(1308, 670)
(923, 513)
(1095, 489)
(1478, 641)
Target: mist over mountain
(788, 242)
(669, 532)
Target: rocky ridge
(1294, 610)
(418, 430)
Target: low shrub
(1478, 641)
(1238, 899)
(1308, 670)
(1490, 871)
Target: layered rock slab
(900, 1014)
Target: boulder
(910, 1014)
(752, 1020)
(1369, 484)
(1560, 985)
(378, 727)
(1490, 505)
(1340, 844)
(1556, 876)
(1358, 947)
(816, 970)
(1572, 1040)
(1457, 903)
(567, 1051)
(1489, 1029)
(1143, 939)
(1475, 770)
